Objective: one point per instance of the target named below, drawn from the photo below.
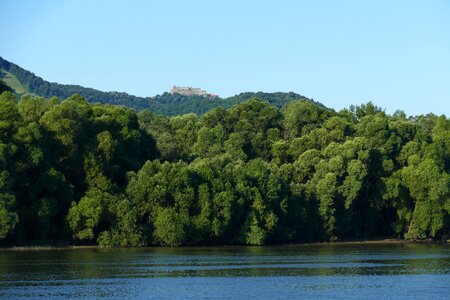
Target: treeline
(176, 104)
(80, 173)
(165, 104)
(38, 86)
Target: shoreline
(385, 241)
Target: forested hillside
(80, 173)
(166, 104)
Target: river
(341, 271)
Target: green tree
(169, 227)
(429, 187)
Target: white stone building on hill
(191, 91)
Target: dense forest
(72, 172)
(165, 104)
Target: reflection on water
(308, 271)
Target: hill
(21, 81)
(12, 83)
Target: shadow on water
(326, 267)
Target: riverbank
(33, 248)
(380, 241)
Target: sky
(393, 53)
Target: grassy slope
(11, 81)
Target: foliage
(252, 174)
(166, 103)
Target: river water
(342, 271)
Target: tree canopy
(81, 173)
(165, 104)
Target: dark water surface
(370, 271)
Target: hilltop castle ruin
(191, 91)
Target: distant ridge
(174, 103)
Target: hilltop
(21, 81)
(191, 91)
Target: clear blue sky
(395, 53)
